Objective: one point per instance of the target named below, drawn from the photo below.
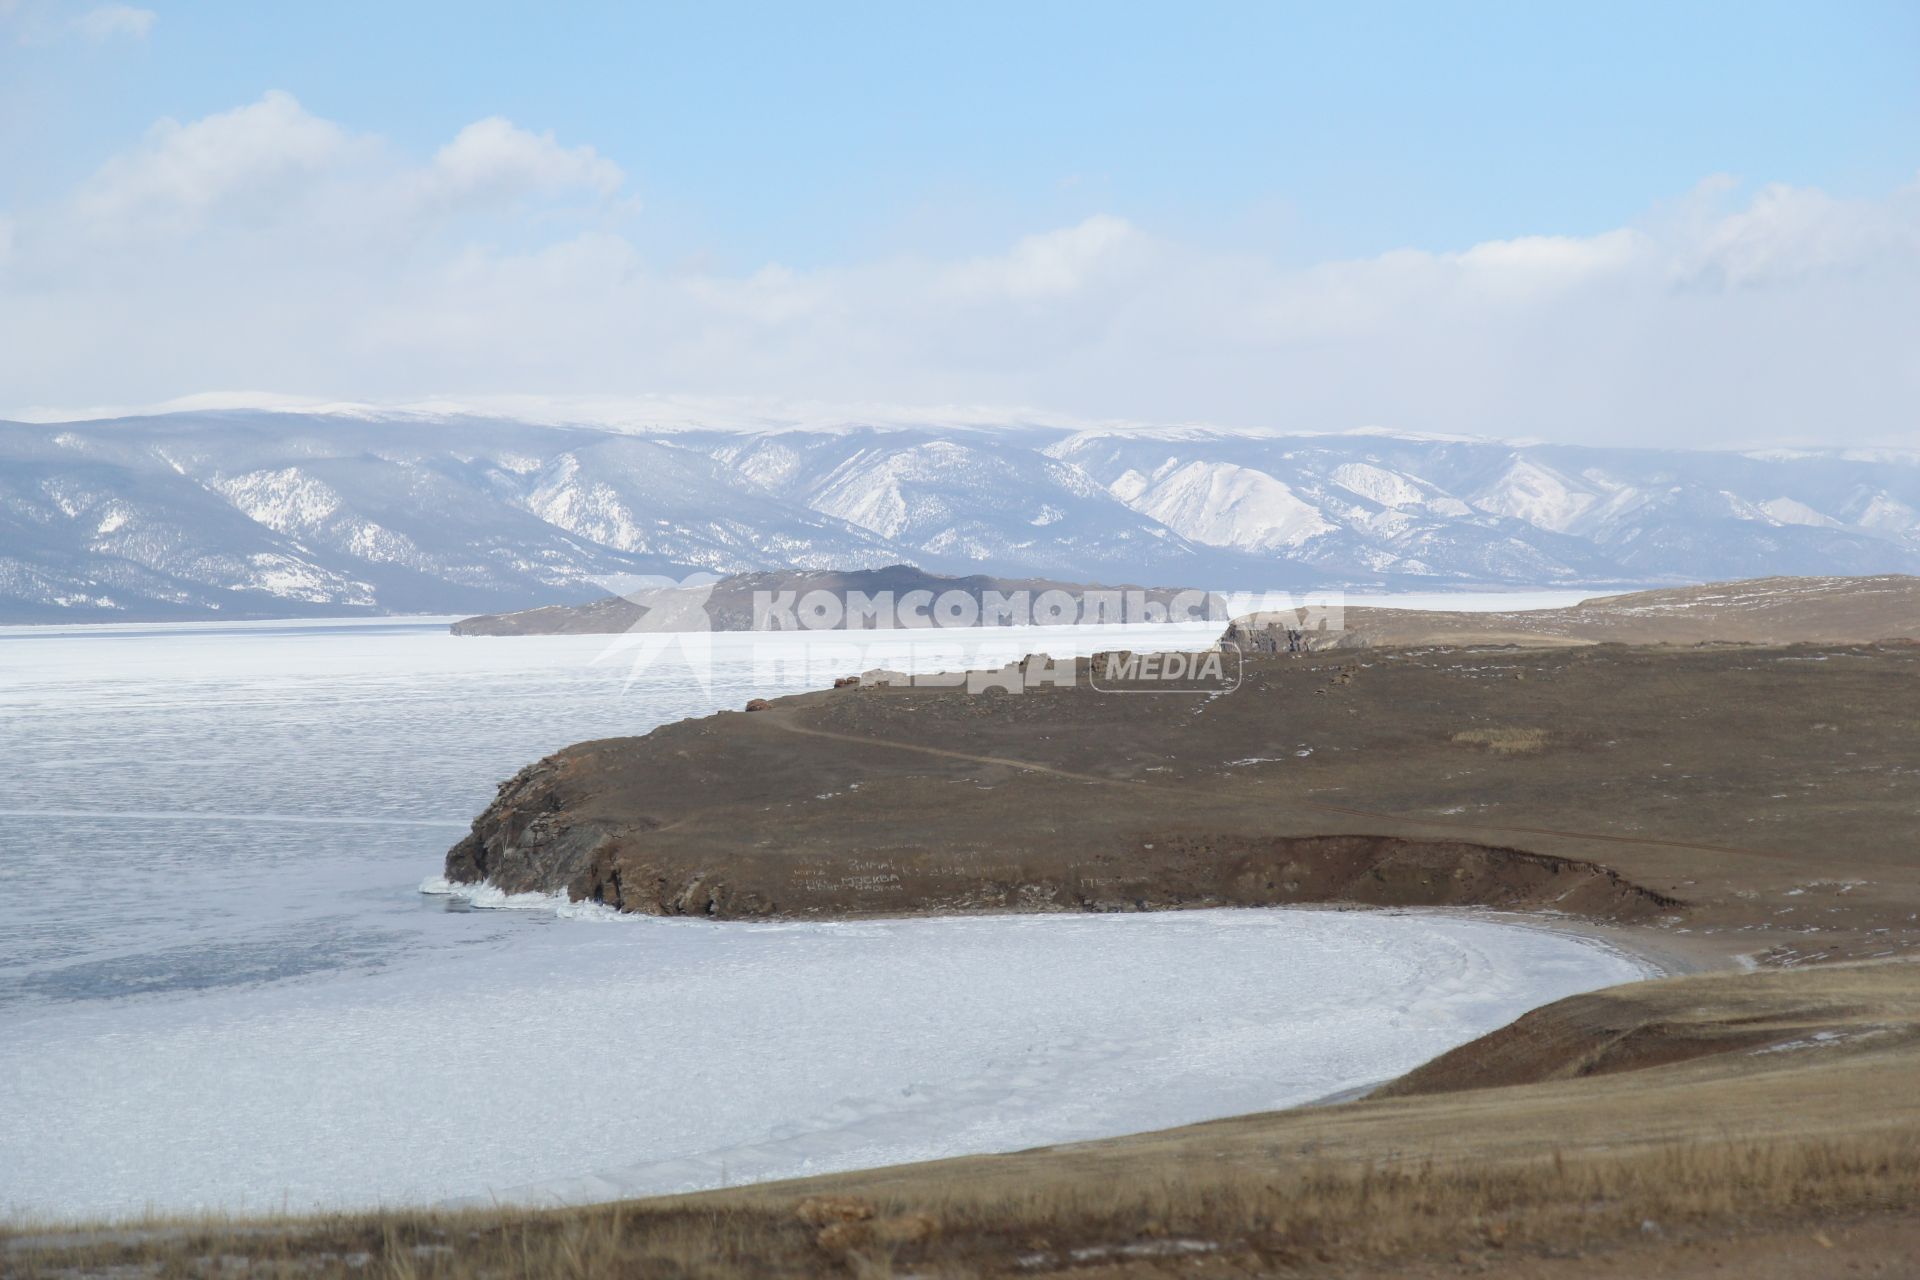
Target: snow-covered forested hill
(248, 513)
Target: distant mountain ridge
(250, 513)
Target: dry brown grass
(1719, 1109)
(1294, 1214)
(1504, 741)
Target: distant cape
(899, 595)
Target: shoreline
(1664, 953)
(1655, 963)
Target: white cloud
(111, 21)
(491, 157)
(1547, 262)
(1793, 233)
(253, 154)
(267, 246)
(1051, 264)
(41, 23)
(273, 168)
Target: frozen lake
(222, 988)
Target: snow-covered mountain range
(248, 513)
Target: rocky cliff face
(527, 846)
(525, 841)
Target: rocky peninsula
(1676, 786)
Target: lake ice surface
(222, 989)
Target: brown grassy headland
(1762, 798)
(1768, 611)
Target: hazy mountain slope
(279, 515)
(256, 514)
(990, 501)
(1354, 506)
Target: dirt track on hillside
(1390, 819)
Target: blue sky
(822, 140)
(808, 133)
